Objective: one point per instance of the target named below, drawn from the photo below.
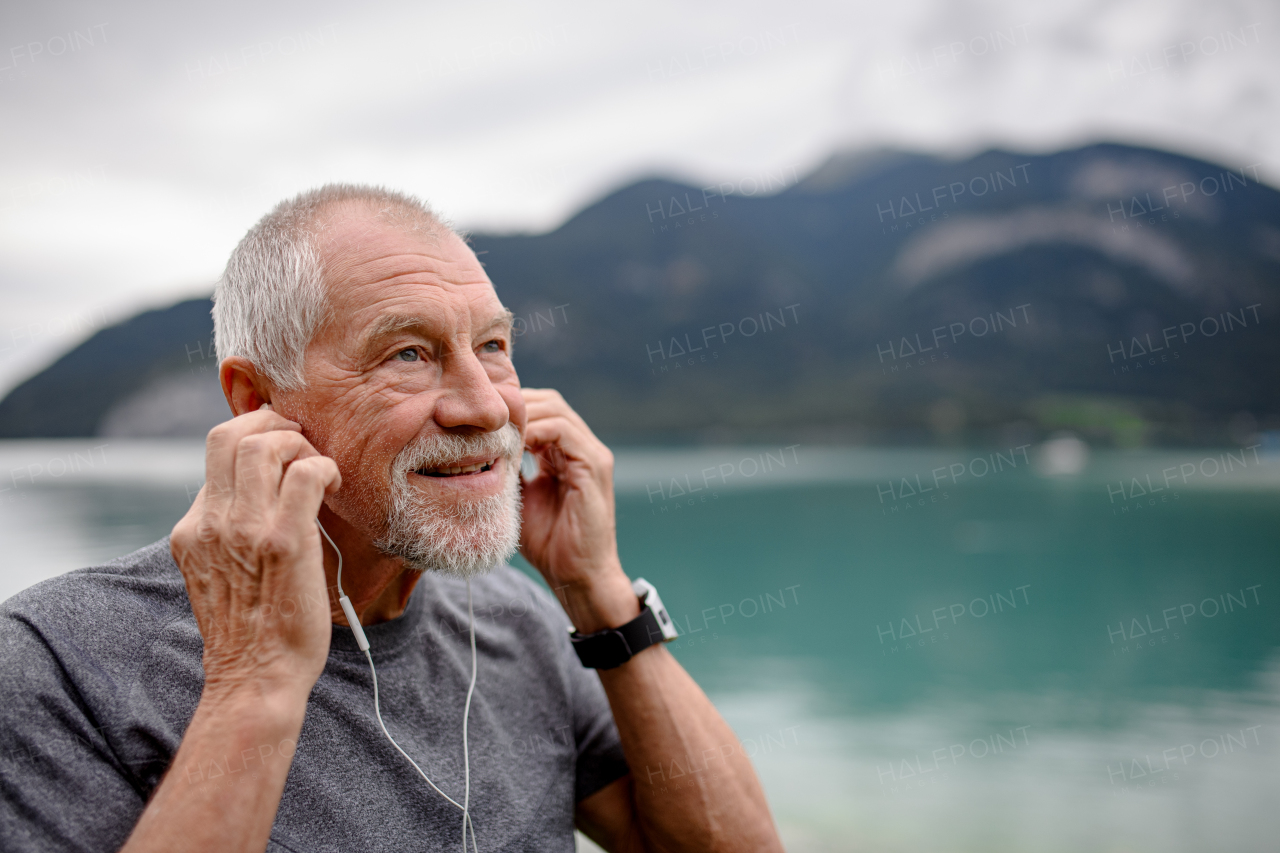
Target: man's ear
(245, 389)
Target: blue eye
(493, 346)
(410, 354)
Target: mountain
(1125, 293)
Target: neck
(378, 586)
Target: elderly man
(213, 691)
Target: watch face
(603, 651)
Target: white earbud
(363, 643)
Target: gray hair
(271, 300)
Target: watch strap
(615, 646)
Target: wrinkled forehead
(378, 272)
(360, 250)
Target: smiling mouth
(456, 470)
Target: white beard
(466, 538)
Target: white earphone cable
(464, 806)
(466, 715)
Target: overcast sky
(138, 141)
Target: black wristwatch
(615, 646)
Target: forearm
(694, 788)
(224, 785)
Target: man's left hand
(569, 533)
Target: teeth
(464, 469)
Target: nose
(469, 398)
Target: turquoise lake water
(996, 660)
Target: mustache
(441, 449)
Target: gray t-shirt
(100, 673)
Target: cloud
(131, 165)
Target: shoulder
(512, 588)
(109, 610)
(511, 596)
(81, 717)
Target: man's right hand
(251, 556)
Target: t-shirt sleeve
(600, 759)
(599, 749)
(61, 787)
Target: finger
(554, 431)
(259, 467)
(539, 395)
(555, 408)
(565, 442)
(220, 450)
(303, 488)
(542, 395)
(547, 402)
